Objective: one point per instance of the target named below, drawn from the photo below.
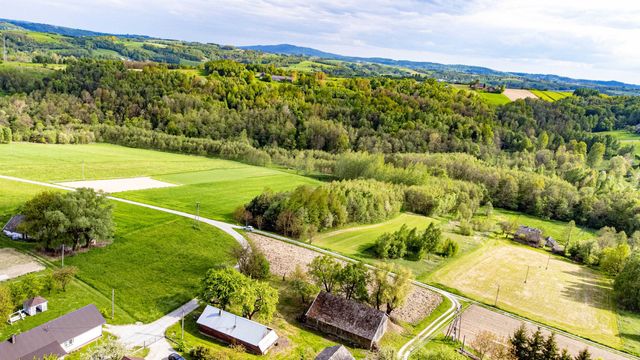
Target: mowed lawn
(566, 295)
(220, 186)
(357, 242)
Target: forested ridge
(545, 159)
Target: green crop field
(219, 185)
(494, 99)
(551, 95)
(566, 295)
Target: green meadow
(551, 96)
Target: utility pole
(527, 276)
(182, 324)
(549, 259)
(113, 303)
(495, 303)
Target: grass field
(494, 99)
(154, 263)
(357, 241)
(566, 295)
(551, 96)
(625, 138)
(219, 185)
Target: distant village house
(233, 329)
(348, 320)
(58, 337)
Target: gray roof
(238, 327)
(35, 301)
(337, 352)
(348, 315)
(42, 340)
(13, 223)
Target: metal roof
(13, 223)
(46, 336)
(35, 301)
(238, 327)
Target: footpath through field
(148, 333)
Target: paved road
(161, 351)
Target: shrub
(449, 248)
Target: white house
(35, 305)
(57, 337)
(234, 329)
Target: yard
(154, 263)
(565, 295)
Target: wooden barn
(233, 329)
(348, 320)
(529, 236)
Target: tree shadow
(586, 289)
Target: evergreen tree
(520, 343)
(583, 355)
(535, 346)
(550, 350)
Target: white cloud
(588, 39)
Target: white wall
(82, 339)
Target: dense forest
(545, 159)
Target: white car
(248, 228)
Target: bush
(408, 243)
(449, 248)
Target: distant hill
(289, 49)
(60, 30)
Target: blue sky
(585, 39)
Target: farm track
(407, 349)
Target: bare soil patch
(118, 185)
(14, 263)
(284, 257)
(515, 94)
(476, 319)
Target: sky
(577, 38)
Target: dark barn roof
(337, 352)
(348, 315)
(46, 338)
(13, 223)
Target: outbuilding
(35, 305)
(234, 329)
(337, 352)
(349, 320)
(57, 337)
(12, 228)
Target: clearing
(117, 185)
(565, 295)
(476, 319)
(14, 263)
(515, 94)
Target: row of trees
(73, 219)
(386, 288)
(306, 210)
(536, 347)
(408, 243)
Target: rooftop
(237, 327)
(13, 223)
(349, 315)
(337, 352)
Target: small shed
(337, 352)
(35, 305)
(554, 246)
(529, 236)
(233, 329)
(12, 228)
(350, 320)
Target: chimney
(13, 339)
